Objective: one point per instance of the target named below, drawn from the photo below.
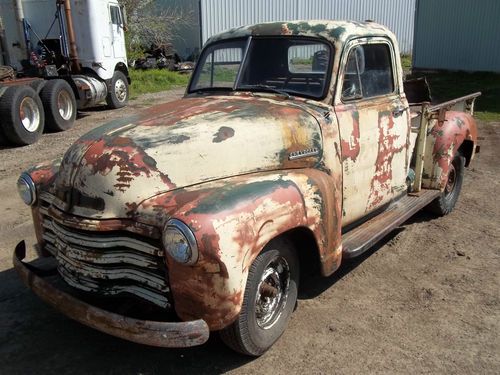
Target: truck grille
(107, 263)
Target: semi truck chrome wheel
(29, 113)
(269, 300)
(22, 115)
(59, 103)
(118, 91)
(65, 105)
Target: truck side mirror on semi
(123, 16)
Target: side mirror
(123, 16)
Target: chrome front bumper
(154, 333)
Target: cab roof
(333, 31)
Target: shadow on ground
(34, 338)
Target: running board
(358, 240)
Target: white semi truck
(57, 56)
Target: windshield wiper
(201, 90)
(267, 88)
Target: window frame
(351, 45)
(197, 71)
(119, 13)
(249, 39)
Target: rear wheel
(59, 104)
(37, 85)
(269, 300)
(118, 93)
(22, 115)
(445, 203)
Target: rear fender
(443, 141)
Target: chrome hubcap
(452, 178)
(29, 114)
(64, 105)
(120, 90)
(272, 293)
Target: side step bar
(358, 240)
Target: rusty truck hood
(112, 169)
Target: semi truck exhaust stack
(73, 53)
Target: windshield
(287, 65)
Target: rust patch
(351, 148)
(222, 134)
(382, 179)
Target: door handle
(398, 111)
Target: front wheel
(269, 300)
(118, 92)
(445, 203)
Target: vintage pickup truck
(296, 146)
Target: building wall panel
(220, 15)
(457, 35)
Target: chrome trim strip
(102, 241)
(103, 273)
(88, 285)
(294, 155)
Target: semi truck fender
(232, 223)
(457, 132)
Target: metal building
(215, 16)
(457, 35)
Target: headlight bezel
(176, 227)
(26, 180)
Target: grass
(155, 80)
(406, 62)
(450, 85)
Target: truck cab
(67, 55)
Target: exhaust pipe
(73, 54)
(18, 7)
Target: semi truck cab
(81, 44)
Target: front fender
(43, 174)
(232, 222)
(443, 141)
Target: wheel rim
(452, 180)
(272, 293)
(65, 105)
(120, 90)
(29, 114)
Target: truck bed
(418, 94)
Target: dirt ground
(425, 300)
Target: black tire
(445, 203)
(118, 92)
(12, 102)
(256, 330)
(37, 85)
(59, 104)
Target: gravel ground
(425, 300)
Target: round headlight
(26, 189)
(179, 242)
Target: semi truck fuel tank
(90, 91)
